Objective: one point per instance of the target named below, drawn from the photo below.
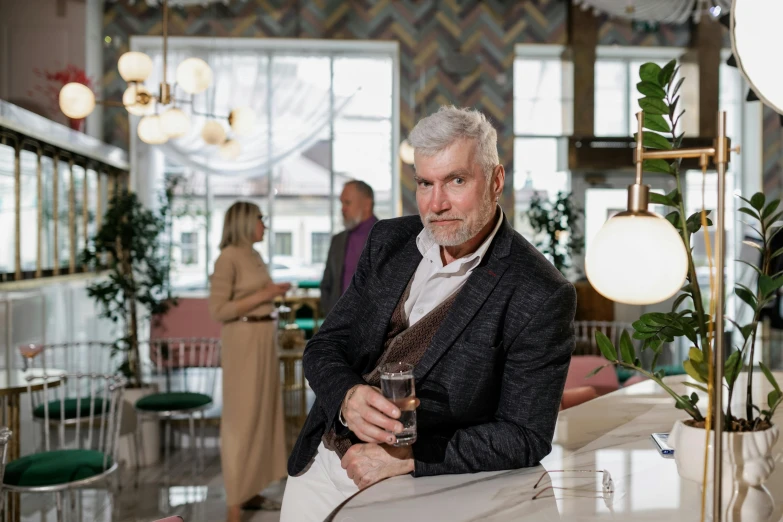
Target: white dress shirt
(433, 283)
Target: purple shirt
(353, 249)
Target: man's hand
(370, 416)
(367, 464)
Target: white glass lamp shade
(132, 103)
(194, 75)
(175, 123)
(230, 150)
(754, 37)
(637, 259)
(406, 152)
(77, 101)
(213, 133)
(242, 120)
(134, 66)
(150, 130)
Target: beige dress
(252, 435)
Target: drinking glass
(398, 386)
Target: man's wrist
(345, 401)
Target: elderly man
(358, 201)
(484, 318)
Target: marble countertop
(611, 433)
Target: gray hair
(363, 188)
(437, 131)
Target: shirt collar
(431, 250)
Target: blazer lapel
(396, 275)
(470, 299)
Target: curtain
(251, 79)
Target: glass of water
(397, 385)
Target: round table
(13, 383)
(609, 433)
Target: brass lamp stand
(638, 198)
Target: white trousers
(314, 494)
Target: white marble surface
(611, 432)
(47, 131)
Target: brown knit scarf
(402, 344)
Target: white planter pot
(150, 452)
(747, 463)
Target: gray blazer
(491, 381)
(332, 281)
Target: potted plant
(554, 223)
(129, 250)
(748, 439)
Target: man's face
(454, 196)
(353, 206)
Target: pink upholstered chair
(604, 381)
(190, 318)
(576, 396)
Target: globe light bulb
(77, 101)
(150, 130)
(134, 66)
(230, 150)
(134, 103)
(637, 259)
(175, 123)
(406, 152)
(242, 120)
(213, 133)
(194, 75)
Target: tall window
(283, 243)
(320, 246)
(189, 248)
(326, 113)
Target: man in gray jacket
(484, 318)
(357, 201)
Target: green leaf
(651, 89)
(657, 165)
(660, 199)
(650, 72)
(679, 300)
(774, 218)
(768, 285)
(772, 398)
(690, 369)
(653, 106)
(674, 219)
(677, 86)
(653, 140)
(777, 253)
(770, 377)
(757, 200)
(754, 267)
(627, 351)
(697, 386)
(596, 370)
(667, 73)
(694, 398)
(746, 296)
(770, 208)
(606, 346)
(694, 354)
(656, 122)
(732, 367)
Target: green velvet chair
(80, 457)
(185, 370)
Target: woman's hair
(239, 224)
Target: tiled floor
(195, 495)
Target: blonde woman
(252, 443)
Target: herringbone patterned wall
(426, 30)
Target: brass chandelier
(161, 115)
